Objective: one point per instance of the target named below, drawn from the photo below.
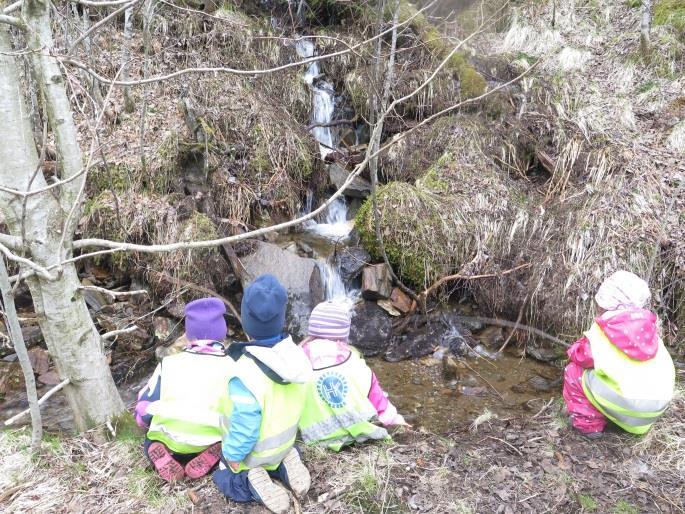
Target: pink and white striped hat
(330, 320)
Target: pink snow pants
(584, 416)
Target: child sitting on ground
(345, 394)
(267, 393)
(182, 403)
(620, 369)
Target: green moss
(587, 503)
(623, 507)
(671, 12)
(432, 180)
(118, 178)
(419, 219)
(126, 428)
(472, 83)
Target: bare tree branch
(99, 24)
(10, 241)
(115, 333)
(78, 64)
(43, 399)
(12, 7)
(14, 21)
(43, 272)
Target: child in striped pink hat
(345, 396)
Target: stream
(431, 393)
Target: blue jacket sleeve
(246, 418)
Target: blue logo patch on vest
(332, 388)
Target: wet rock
(452, 369)
(473, 391)
(49, 378)
(358, 188)
(11, 377)
(537, 383)
(166, 329)
(438, 329)
(545, 354)
(300, 276)
(388, 307)
(40, 360)
(376, 283)
(371, 328)
(400, 300)
(491, 337)
(351, 262)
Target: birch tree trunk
(69, 332)
(645, 25)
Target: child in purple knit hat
(181, 405)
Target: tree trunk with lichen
(39, 222)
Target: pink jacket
(633, 331)
(323, 353)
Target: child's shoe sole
(203, 463)
(164, 463)
(273, 496)
(299, 478)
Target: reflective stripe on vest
(631, 393)
(281, 406)
(632, 415)
(338, 410)
(193, 401)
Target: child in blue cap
(267, 393)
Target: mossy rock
(418, 231)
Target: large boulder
(371, 328)
(351, 261)
(300, 276)
(358, 188)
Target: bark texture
(69, 332)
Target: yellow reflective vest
(631, 393)
(193, 402)
(281, 406)
(338, 410)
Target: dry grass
(76, 475)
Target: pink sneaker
(203, 463)
(164, 463)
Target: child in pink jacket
(628, 326)
(340, 377)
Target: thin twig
(101, 23)
(518, 320)
(519, 326)
(43, 399)
(484, 380)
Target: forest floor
(535, 463)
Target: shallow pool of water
(428, 399)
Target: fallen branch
(114, 333)
(12, 7)
(516, 326)
(459, 276)
(43, 399)
(114, 294)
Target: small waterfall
(335, 225)
(323, 99)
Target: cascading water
(335, 226)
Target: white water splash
(323, 99)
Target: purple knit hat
(205, 320)
(330, 320)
